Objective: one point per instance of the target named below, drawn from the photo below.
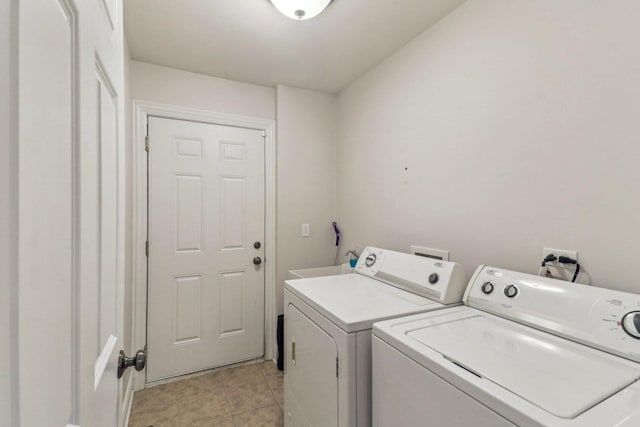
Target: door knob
(139, 361)
(257, 245)
(257, 260)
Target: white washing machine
(523, 350)
(328, 323)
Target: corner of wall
(306, 180)
(9, 354)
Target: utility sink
(320, 271)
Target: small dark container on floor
(280, 337)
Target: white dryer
(523, 350)
(328, 323)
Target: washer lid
(354, 302)
(557, 375)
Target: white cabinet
(311, 367)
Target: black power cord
(548, 258)
(566, 260)
(562, 260)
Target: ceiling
(250, 41)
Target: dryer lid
(561, 377)
(354, 302)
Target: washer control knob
(370, 260)
(511, 291)
(631, 324)
(433, 278)
(487, 287)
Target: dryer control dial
(631, 324)
(487, 287)
(511, 291)
(370, 260)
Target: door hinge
(146, 143)
(264, 133)
(146, 248)
(337, 367)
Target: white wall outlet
(305, 230)
(559, 252)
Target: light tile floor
(247, 395)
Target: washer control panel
(601, 318)
(442, 281)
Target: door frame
(141, 111)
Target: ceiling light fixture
(301, 9)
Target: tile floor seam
(255, 409)
(271, 390)
(224, 387)
(273, 393)
(233, 420)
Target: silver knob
(257, 260)
(370, 260)
(139, 361)
(487, 287)
(511, 291)
(631, 324)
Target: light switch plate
(305, 230)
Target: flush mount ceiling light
(301, 9)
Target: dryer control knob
(511, 291)
(487, 287)
(433, 278)
(370, 260)
(631, 324)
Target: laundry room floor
(247, 395)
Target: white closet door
(71, 213)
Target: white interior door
(71, 212)
(101, 211)
(47, 111)
(206, 227)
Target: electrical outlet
(559, 252)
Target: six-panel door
(206, 211)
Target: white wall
(505, 128)
(175, 87)
(8, 213)
(306, 181)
